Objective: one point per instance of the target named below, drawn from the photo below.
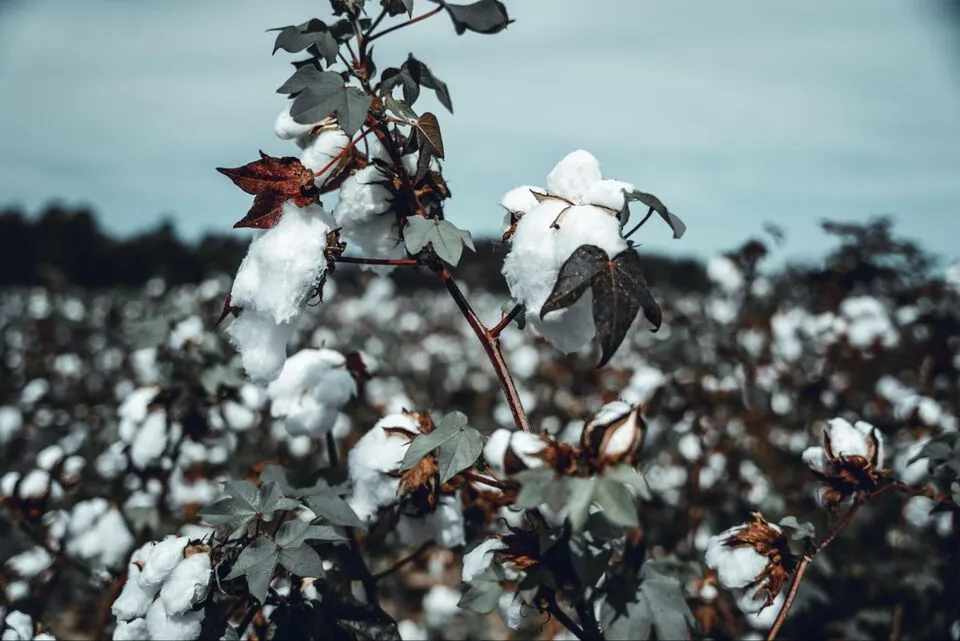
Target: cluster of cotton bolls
(165, 581)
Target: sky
(734, 113)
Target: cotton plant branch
(807, 559)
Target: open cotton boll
(188, 584)
(725, 273)
(160, 560)
(496, 448)
(135, 598)
(282, 266)
(479, 558)
(521, 199)
(573, 176)
(370, 461)
(608, 193)
(98, 533)
(361, 198)
(853, 440)
(304, 370)
(150, 441)
(444, 525)
(320, 151)
(287, 128)
(588, 225)
(135, 630)
(262, 343)
(378, 238)
(135, 405)
(736, 567)
(164, 625)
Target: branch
(807, 558)
(404, 24)
(470, 475)
(396, 262)
(640, 224)
(402, 562)
(505, 321)
(557, 612)
(492, 347)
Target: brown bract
(772, 543)
(847, 475)
(272, 181)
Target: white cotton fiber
(282, 266)
(321, 150)
(573, 176)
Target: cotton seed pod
(525, 452)
(614, 434)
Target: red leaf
(272, 181)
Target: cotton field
(123, 412)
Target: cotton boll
(135, 630)
(135, 598)
(725, 273)
(262, 343)
(573, 176)
(30, 563)
(150, 441)
(98, 533)
(163, 625)
(282, 266)
(444, 525)
(135, 405)
(496, 448)
(736, 567)
(479, 558)
(588, 225)
(189, 330)
(161, 559)
(608, 193)
(521, 199)
(378, 238)
(188, 584)
(304, 370)
(515, 612)
(11, 421)
(371, 460)
(361, 198)
(321, 150)
(287, 128)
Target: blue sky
(734, 113)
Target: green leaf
(485, 16)
(459, 452)
(334, 509)
(411, 75)
(446, 239)
(450, 426)
(480, 596)
(659, 606)
(581, 497)
(295, 39)
(618, 504)
(533, 486)
(293, 533)
(396, 7)
(400, 109)
(630, 477)
(309, 76)
(256, 562)
(655, 205)
(327, 95)
(302, 561)
(801, 531)
(619, 292)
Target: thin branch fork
(491, 345)
(404, 24)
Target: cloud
(734, 114)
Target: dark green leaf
(659, 605)
(801, 531)
(400, 109)
(302, 561)
(354, 110)
(256, 563)
(485, 16)
(309, 76)
(295, 39)
(316, 102)
(458, 453)
(575, 276)
(334, 509)
(580, 493)
(533, 486)
(617, 503)
(448, 427)
(656, 205)
(446, 239)
(396, 7)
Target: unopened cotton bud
(615, 433)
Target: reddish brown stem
(404, 24)
(505, 321)
(807, 558)
(479, 478)
(491, 345)
(405, 560)
(344, 151)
